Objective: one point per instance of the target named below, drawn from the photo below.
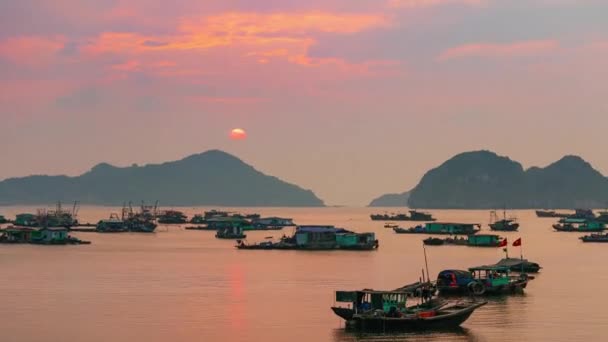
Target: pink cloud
(432, 3)
(31, 50)
(525, 48)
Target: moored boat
(441, 228)
(478, 240)
(319, 238)
(39, 236)
(504, 224)
(519, 265)
(414, 215)
(595, 238)
(234, 232)
(579, 225)
(408, 309)
(550, 213)
(112, 225)
(481, 280)
(172, 217)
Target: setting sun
(238, 134)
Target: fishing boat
(519, 265)
(234, 232)
(579, 225)
(52, 218)
(139, 221)
(172, 217)
(319, 238)
(479, 240)
(441, 228)
(583, 214)
(390, 225)
(413, 216)
(112, 225)
(550, 213)
(595, 238)
(504, 224)
(412, 308)
(39, 236)
(602, 216)
(481, 280)
(271, 223)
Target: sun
(238, 134)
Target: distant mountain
(484, 180)
(391, 200)
(210, 178)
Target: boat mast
(426, 263)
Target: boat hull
(442, 321)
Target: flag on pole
(503, 243)
(517, 242)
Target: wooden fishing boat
(234, 232)
(505, 224)
(414, 215)
(441, 228)
(519, 265)
(579, 225)
(319, 238)
(550, 213)
(595, 238)
(482, 280)
(371, 310)
(478, 240)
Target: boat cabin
(55, 235)
(26, 220)
(491, 276)
(490, 240)
(17, 234)
(451, 228)
(369, 300)
(317, 236)
(274, 221)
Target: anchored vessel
(595, 238)
(479, 240)
(519, 265)
(413, 216)
(233, 232)
(319, 238)
(504, 224)
(39, 236)
(579, 225)
(410, 308)
(172, 217)
(481, 280)
(441, 228)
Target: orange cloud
(251, 24)
(516, 49)
(31, 50)
(432, 3)
(239, 29)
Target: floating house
(40, 236)
(443, 228)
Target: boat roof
(405, 290)
(456, 272)
(487, 235)
(455, 223)
(320, 229)
(489, 268)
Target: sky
(348, 98)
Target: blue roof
(319, 229)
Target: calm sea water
(178, 285)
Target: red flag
(517, 242)
(503, 243)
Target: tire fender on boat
(476, 288)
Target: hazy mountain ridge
(210, 178)
(391, 200)
(483, 180)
